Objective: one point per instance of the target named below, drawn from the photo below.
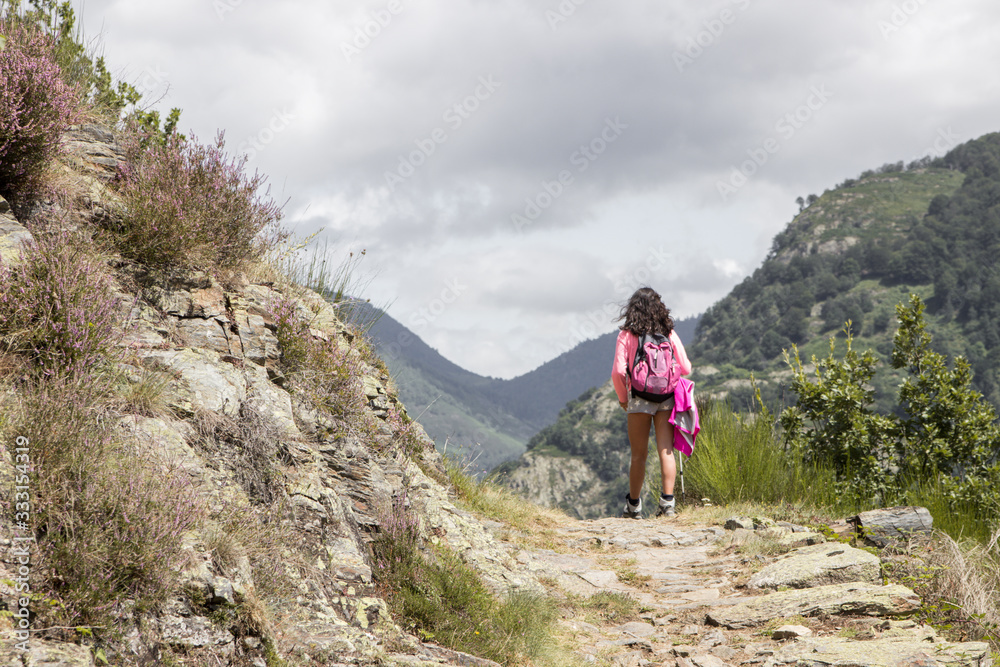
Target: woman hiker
(647, 319)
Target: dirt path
(682, 575)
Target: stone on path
(734, 522)
(635, 628)
(882, 526)
(707, 661)
(856, 599)
(892, 652)
(791, 632)
(819, 565)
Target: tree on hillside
(947, 433)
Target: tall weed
(340, 283)
(738, 458)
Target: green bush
(945, 441)
(191, 206)
(843, 429)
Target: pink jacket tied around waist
(684, 417)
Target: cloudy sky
(515, 168)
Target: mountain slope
(853, 254)
(490, 419)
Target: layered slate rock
(853, 599)
(45, 654)
(819, 565)
(881, 527)
(92, 151)
(12, 235)
(915, 646)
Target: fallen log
(882, 526)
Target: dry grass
(607, 607)
(528, 523)
(717, 514)
(966, 577)
(143, 392)
(248, 445)
(751, 545)
(627, 573)
(252, 544)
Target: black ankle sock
(666, 497)
(630, 501)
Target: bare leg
(665, 449)
(638, 440)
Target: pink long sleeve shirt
(625, 349)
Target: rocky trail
(703, 604)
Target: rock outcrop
(564, 482)
(211, 352)
(12, 235)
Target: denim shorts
(641, 405)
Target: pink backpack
(654, 369)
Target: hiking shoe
(632, 511)
(666, 508)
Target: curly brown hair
(645, 314)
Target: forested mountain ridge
(857, 251)
(931, 228)
(486, 418)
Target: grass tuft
(501, 504)
(738, 459)
(609, 607)
(441, 598)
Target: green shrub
(833, 422)
(949, 432)
(86, 73)
(944, 444)
(189, 205)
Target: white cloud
(355, 116)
